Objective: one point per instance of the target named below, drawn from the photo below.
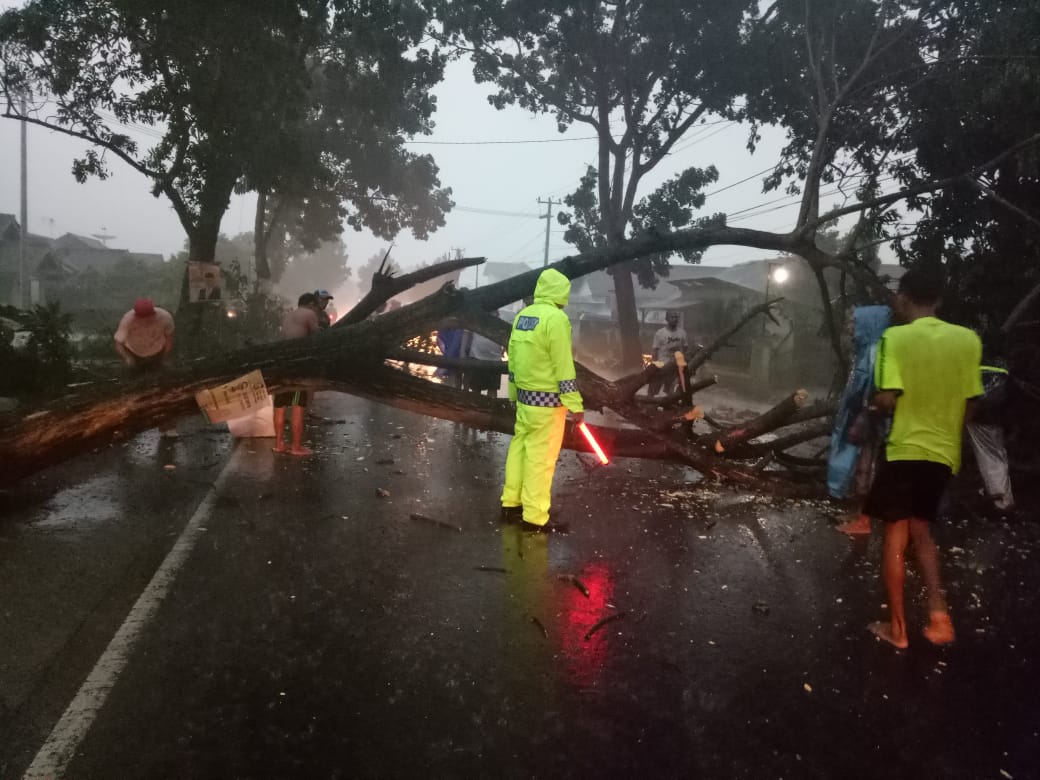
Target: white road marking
(54, 757)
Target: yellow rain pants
(532, 457)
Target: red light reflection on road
(585, 658)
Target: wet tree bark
(764, 423)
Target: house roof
(73, 241)
(496, 272)
(8, 227)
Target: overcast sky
(503, 177)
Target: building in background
(70, 270)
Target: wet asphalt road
(317, 630)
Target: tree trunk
(202, 242)
(628, 318)
(765, 422)
(263, 268)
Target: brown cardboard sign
(233, 399)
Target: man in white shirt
(144, 339)
(667, 341)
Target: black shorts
(291, 398)
(147, 365)
(907, 490)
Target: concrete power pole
(23, 275)
(548, 224)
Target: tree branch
(927, 186)
(92, 139)
(385, 286)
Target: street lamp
(775, 272)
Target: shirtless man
(300, 322)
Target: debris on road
(575, 582)
(538, 624)
(434, 521)
(602, 622)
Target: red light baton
(593, 443)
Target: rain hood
(553, 287)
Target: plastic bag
(987, 441)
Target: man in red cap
(144, 339)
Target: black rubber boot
(512, 514)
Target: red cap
(143, 307)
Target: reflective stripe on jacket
(540, 359)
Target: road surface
(251, 615)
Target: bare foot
(939, 630)
(301, 451)
(279, 447)
(884, 631)
(858, 527)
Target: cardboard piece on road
(238, 398)
(257, 424)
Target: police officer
(542, 383)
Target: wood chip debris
(602, 622)
(575, 582)
(538, 624)
(434, 521)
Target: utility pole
(23, 276)
(548, 223)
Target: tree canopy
(640, 74)
(309, 100)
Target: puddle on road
(84, 506)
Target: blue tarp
(869, 322)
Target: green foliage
(671, 206)
(308, 99)
(831, 70)
(44, 366)
(261, 320)
(641, 74)
(369, 88)
(983, 98)
(99, 299)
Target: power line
(523, 247)
(496, 213)
(738, 183)
(700, 139)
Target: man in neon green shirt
(927, 375)
(542, 383)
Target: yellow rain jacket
(542, 382)
(541, 365)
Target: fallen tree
(354, 358)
